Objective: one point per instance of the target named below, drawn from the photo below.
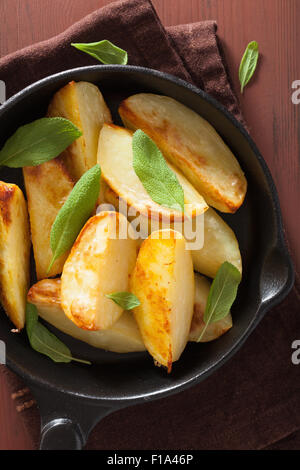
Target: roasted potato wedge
(220, 245)
(101, 261)
(122, 337)
(83, 104)
(163, 281)
(47, 187)
(115, 158)
(190, 143)
(14, 252)
(103, 188)
(214, 330)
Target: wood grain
(13, 436)
(271, 116)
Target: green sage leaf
(45, 342)
(104, 51)
(248, 64)
(222, 294)
(38, 142)
(75, 212)
(157, 178)
(126, 300)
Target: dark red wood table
(272, 118)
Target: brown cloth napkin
(253, 401)
(189, 51)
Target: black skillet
(72, 398)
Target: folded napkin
(189, 51)
(252, 402)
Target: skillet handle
(277, 274)
(62, 434)
(66, 421)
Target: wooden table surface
(271, 116)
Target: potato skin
(83, 104)
(98, 264)
(122, 337)
(163, 281)
(214, 330)
(47, 187)
(190, 143)
(14, 252)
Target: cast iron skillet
(72, 397)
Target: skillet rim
(179, 385)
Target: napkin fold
(252, 402)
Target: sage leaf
(45, 342)
(248, 64)
(38, 142)
(221, 295)
(104, 51)
(126, 300)
(75, 212)
(157, 178)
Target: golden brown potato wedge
(14, 252)
(191, 144)
(47, 187)
(83, 104)
(100, 263)
(115, 158)
(103, 188)
(163, 281)
(214, 330)
(220, 243)
(122, 337)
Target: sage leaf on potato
(222, 294)
(158, 179)
(75, 212)
(45, 342)
(38, 142)
(126, 300)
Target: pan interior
(129, 376)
